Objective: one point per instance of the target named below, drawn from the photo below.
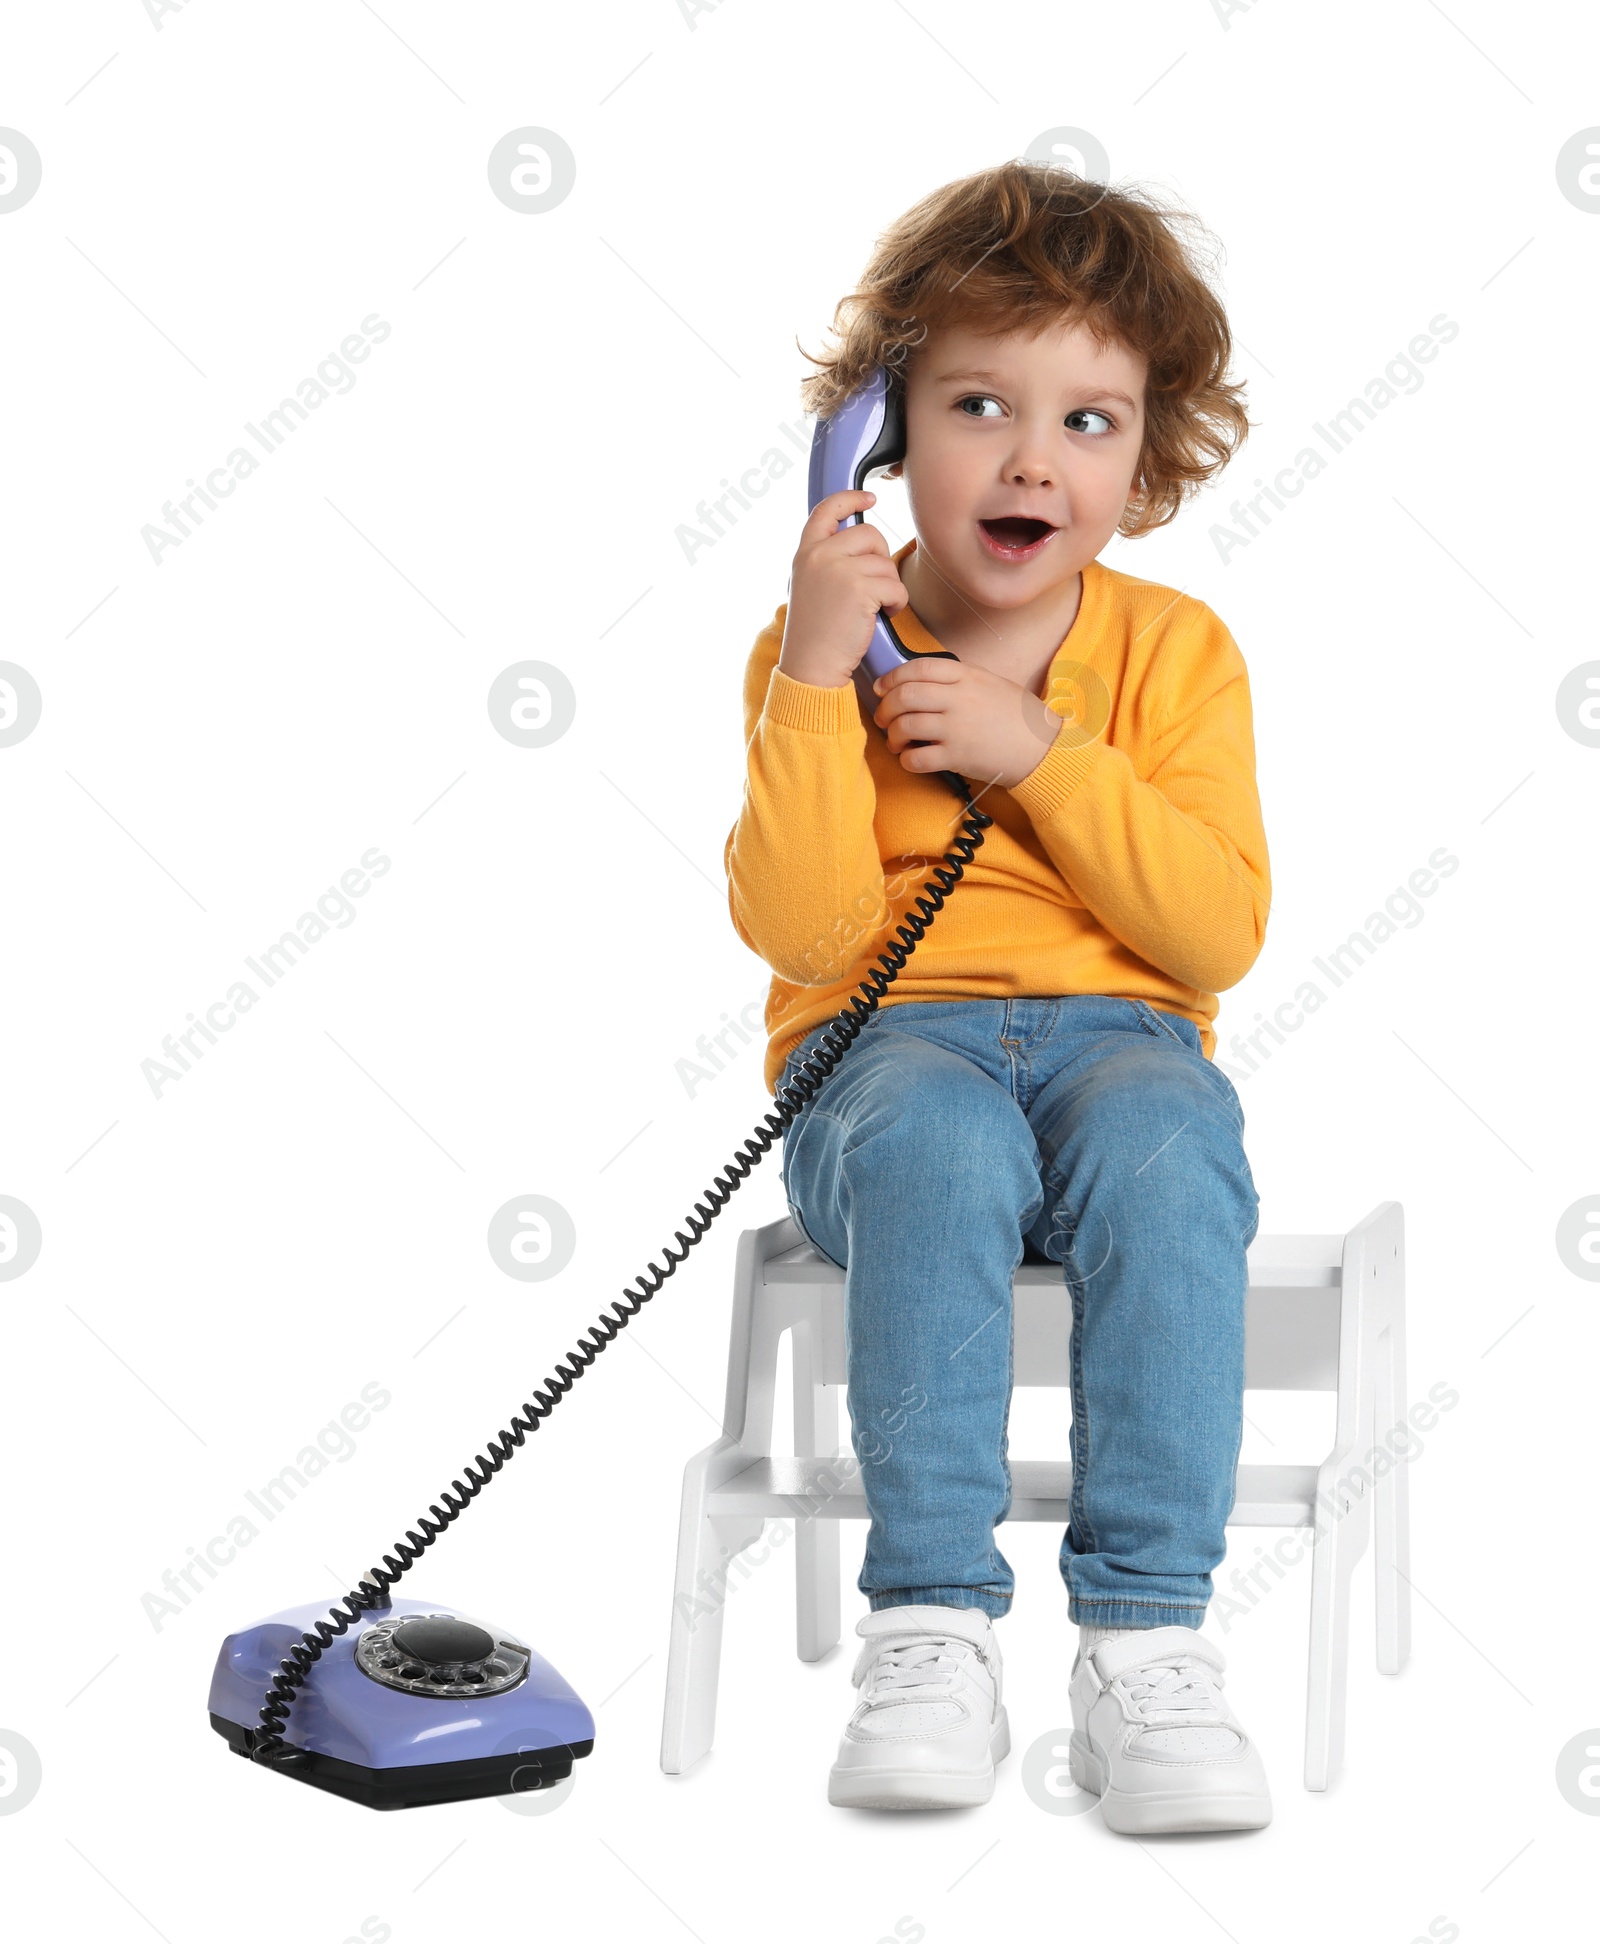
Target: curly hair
(1026, 246)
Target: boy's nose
(1030, 467)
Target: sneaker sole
(1170, 1814)
(920, 1788)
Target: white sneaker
(1153, 1737)
(930, 1726)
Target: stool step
(786, 1488)
(1274, 1262)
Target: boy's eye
(980, 405)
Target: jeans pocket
(1155, 1021)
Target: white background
(225, 196)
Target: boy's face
(1020, 454)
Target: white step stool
(1323, 1313)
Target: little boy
(1040, 1076)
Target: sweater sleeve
(805, 883)
(1173, 864)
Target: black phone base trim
(520, 1773)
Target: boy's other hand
(970, 720)
(841, 577)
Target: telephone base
(412, 1788)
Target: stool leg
(816, 1540)
(694, 1653)
(1339, 1544)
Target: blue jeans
(1096, 1132)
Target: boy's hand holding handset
(841, 576)
(938, 714)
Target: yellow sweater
(1132, 862)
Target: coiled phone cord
(267, 1742)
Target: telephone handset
(866, 434)
(398, 1703)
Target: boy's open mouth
(1015, 538)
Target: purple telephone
(424, 1704)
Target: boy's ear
(896, 471)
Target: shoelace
(1181, 1687)
(914, 1663)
